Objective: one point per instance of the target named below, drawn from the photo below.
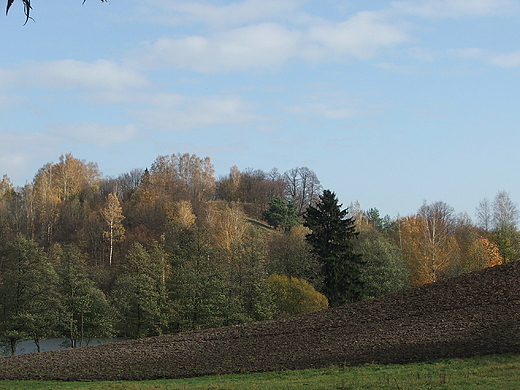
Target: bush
(292, 296)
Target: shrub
(293, 296)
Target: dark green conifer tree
(331, 237)
(281, 214)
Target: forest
(171, 248)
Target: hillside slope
(472, 314)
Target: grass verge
(497, 372)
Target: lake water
(50, 345)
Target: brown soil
(472, 314)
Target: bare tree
(302, 187)
(484, 215)
(505, 212)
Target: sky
(390, 103)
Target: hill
(468, 315)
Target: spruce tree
(331, 237)
(281, 214)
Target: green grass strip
(498, 372)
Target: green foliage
(199, 262)
(292, 296)
(331, 234)
(385, 270)
(383, 224)
(290, 254)
(86, 313)
(28, 297)
(508, 242)
(248, 273)
(138, 293)
(281, 214)
(196, 284)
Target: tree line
(171, 248)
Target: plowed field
(472, 314)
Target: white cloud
(255, 46)
(421, 54)
(361, 36)
(321, 102)
(197, 113)
(507, 60)
(20, 153)
(6, 76)
(393, 67)
(269, 44)
(230, 15)
(95, 133)
(325, 110)
(456, 8)
(71, 74)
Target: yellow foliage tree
(484, 253)
(292, 296)
(181, 212)
(427, 246)
(186, 173)
(227, 224)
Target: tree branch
(27, 8)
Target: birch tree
(113, 215)
(428, 242)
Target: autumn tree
(113, 216)
(60, 193)
(227, 187)
(7, 194)
(72, 176)
(331, 238)
(294, 296)
(227, 225)
(252, 188)
(184, 174)
(428, 242)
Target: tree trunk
(37, 342)
(13, 343)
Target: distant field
(497, 372)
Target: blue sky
(390, 103)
